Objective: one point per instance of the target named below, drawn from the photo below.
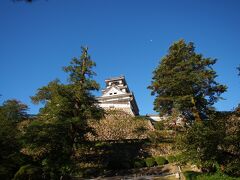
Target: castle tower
(117, 95)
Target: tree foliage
(62, 122)
(11, 113)
(214, 142)
(185, 80)
(14, 111)
(119, 125)
(200, 145)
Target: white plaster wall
(109, 105)
(112, 90)
(155, 118)
(115, 99)
(124, 107)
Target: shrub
(116, 164)
(117, 127)
(139, 163)
(233, 168)
(191, 175)
(155, 137)
(150, 162)
(90, 172)
(161, 160)
(159, 125)
(172, 159)
(28, 172)
(176, 158)
(215, 177)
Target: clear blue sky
(125, 37)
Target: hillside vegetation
(118, 125)
(72, 137)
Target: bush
(139, 163)
(155, 137)
(172, 159)
(218, 174)
(159, 125)
(191, 175)
(176, 158)
(28, 172)
(233, 168)
(150, 162)
(90, 172)
(161, 160)
(116, 164)
(117, 127)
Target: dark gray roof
(115, 96)
(115, 78)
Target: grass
(192, 175)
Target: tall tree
(61, 123)
(185, 80)
(11, 113)
(14, 111)
(213, 142)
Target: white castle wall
(113, 91)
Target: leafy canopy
(74, 99)
(213, 142)
(12, 112)
(61, 123)
(185, 80)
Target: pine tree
(185, 80)
(12, 112)
(62, 122)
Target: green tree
(185, 80)
(200, 144)
(11, 113)
(214, 142)
(231, 144)
(14, 111)
(62, 122)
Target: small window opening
(110, 93)
(115, 93)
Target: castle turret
(117, 95)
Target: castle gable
(117, 95)
(112, 91)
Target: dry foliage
(233, 132)
(119, 125)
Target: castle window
(110, 93)
(115, 93)
(116, 83)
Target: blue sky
(125, 37)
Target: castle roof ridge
(115, 78)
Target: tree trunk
(195, 111)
